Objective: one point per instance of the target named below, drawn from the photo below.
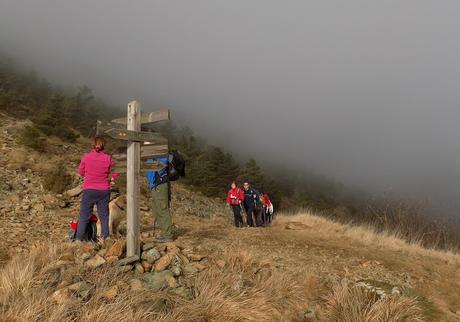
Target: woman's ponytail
(99, 143)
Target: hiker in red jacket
(235, 197)
(268, 209)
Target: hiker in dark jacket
(259, 211)
(251, 196)
(235, 198)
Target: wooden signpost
(134, 164)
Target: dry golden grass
(233, 293)
(354, 304)
(366, 235)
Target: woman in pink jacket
(95, 168)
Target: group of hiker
(250, 207)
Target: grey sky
(366, 92)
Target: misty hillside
(302, 268)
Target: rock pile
(160, 267)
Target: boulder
(117, 248)
(128, 260)
(135, 284)
(176, 270)
(163, 263)
(151, 255)
(147, 266)
(80, 289)
(148, 246)
(96, 261)
(75, 192)
(157, 280)
(125, 268)
(139, 268)
(111, 259)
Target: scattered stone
(117, 248)
(49, 199)
(148, 246)
(96, 261)
(151, 255)
(172, 283)
(147, 266)
(139, 268)
(75, 192)
(80, 289)
(39, 207)
(102, 252)
(163, 263)
(190, 269)
(84, 256)
(183, 292)
(307, 315)
(111, 293)
(196, 257)
(157, 280)
(176, 270)
(201, 267)
(111, 259)
(294, 225)
(86, 248)
(144, 208)
(128, 260)
(60, 296)
(125, 268)
(135, 284)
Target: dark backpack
(176, 166)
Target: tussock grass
(235, 292)
(354, 304)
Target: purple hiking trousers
(101, 199)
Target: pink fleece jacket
(95, 167)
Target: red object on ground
(73, 224)
(93, 218)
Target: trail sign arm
(148, 118)
(137, 136)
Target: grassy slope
(269, 274)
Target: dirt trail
(329, 258)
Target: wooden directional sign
(104, 126)
(148, 118)
(136, 136)
(147, 152)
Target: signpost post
(132, 181)
(156, 146)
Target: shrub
(57, 180)
(33, 138)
